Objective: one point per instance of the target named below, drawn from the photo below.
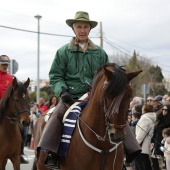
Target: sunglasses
(149, 100)
(165, 109)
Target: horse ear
(26, 84)
(107, 73)
(133, 74)
(14, 83)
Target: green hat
(81, 16)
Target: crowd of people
(37, 109)
(150, 122)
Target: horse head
(112, 86)
(21, 101)
(15, 103)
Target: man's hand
(66, 96)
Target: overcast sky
(128, 25)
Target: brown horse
(97, 139)
(14, 112)
(38, 129)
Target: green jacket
(75, 69)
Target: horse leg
(3, 164)
(16, 162)
(41, 160)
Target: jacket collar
(73, 47)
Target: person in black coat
(163, 121)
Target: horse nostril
(25, 123)
(112, 135)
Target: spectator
(137, 109)
(149, 100)
(165, 99)
(135, 118)
(30, 128)
(34, 114)
(53, 101)
(166, 146)
(163, 121)
(144, 133)
(42, 106)
(5, 77)
(138, 101)
(157, 105)
(168, 100)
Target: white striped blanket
(68, 129)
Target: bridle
(17, 112)
(112, 109)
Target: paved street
(30, 154)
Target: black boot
(23, 161)
(52, 161)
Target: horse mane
(5, 99)
(118, 81)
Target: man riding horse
(71, 73)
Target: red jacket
(43, 108)
(5, 80)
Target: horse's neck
(7, 120)
(93, 116)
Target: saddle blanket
(69, 126)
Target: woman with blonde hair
(144, 133)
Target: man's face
(82, 30)
(41, 101)
(4, 67)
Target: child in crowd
(166, 147)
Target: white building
(33, 85)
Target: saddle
(69, 126)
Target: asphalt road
(30, 155)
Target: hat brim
(4, 62)
(70, 22)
